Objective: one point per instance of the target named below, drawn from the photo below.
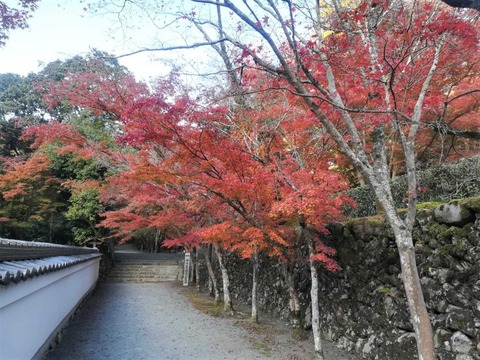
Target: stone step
(148, 263)
(145, 266)
(140, 278)
(137, 280)
(156, 269)
(160, 271)
(145, 271)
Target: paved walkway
(148, 321)
(134, 321)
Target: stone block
(369, 347)
(461, 343)
(441, 340)
(453, 214)
(403, 348)
(460, 319)
(463, 357)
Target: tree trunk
(255, 264)
(314, 300)
(227, 299)
(411, 282)
(416, 302)
(298, 331)
(211, 274)
(210, 287)
(50, 228)
(157, 238)
(191, 277)
(402, 230)
(197, 270)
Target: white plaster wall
(31, 310)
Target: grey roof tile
(23, 260)
(19, 270)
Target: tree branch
(446, 129)
(169, 48)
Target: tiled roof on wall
(20, 270)
(22, 260)
(23, 250)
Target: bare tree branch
(170, 48)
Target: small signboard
(186, 269)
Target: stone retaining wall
(363, 307)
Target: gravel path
(147, 321)
(134, 321)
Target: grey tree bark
(314, 297)
(255, 265)
(197, 270)
(298, 331)
(211, 273)
(227, 298)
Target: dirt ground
(271, 337)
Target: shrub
(444, 183)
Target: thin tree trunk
(211, 274)
(227, 299)
(197, 270)
(50, 228)
(298, 331)
(210, 287)
(416, 302)
(192, 268)
(314, 300)
(411, 282)
(157, 237)
(402, 230)
(255, 264)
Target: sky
(61, 29)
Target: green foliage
(19, 98)
(10, 142)
(148, 239)
(441, 184)
(84, 208)
(37, 214)
(82, 235)
(95, 61)
(20, 106)
(69, 166)
(45, 206)
(95, 128)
